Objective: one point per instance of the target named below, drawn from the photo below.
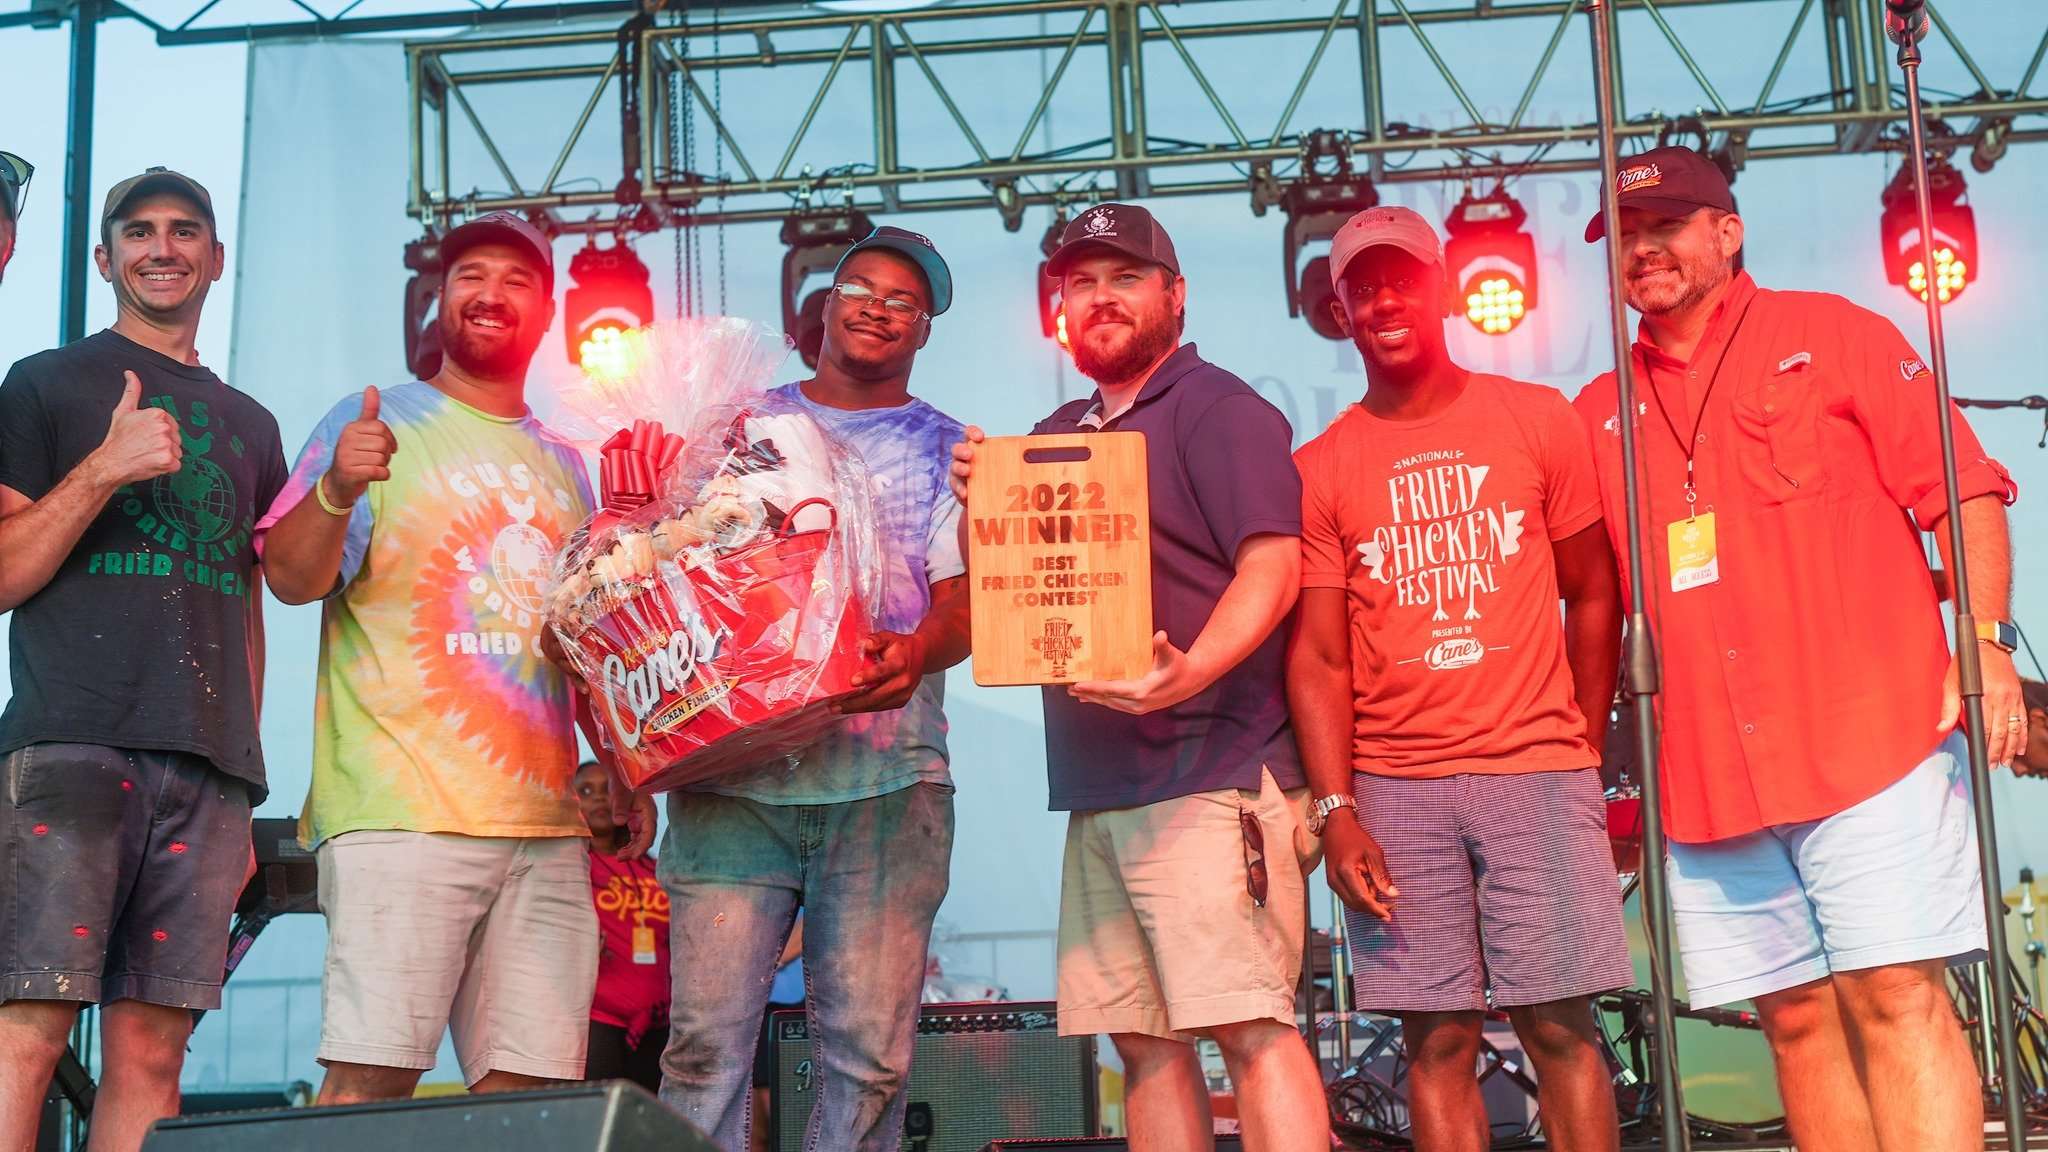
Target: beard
(493, 359)
(1699, 274)
(1119, 359)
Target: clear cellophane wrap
(716, 602)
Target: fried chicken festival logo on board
(1059, 644)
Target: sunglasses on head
(14, 177)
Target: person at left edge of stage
(131, 478)
(453, 869)
(1433, 680)
(14, 175)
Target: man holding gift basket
(452, 863)
(856, 829)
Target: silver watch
(1319, 812)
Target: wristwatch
(2003, 635)
(1319, 812)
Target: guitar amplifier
(982, 1072)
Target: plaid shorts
(1508, 892)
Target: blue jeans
(869, 875)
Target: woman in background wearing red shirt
(629, 1013)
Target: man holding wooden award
(1182, 903)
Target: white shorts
(494, 938)
(1892, 880)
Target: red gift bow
(630, 464)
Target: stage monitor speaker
(609, 1117)
(1094, 1144)
(982, 1072)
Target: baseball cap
(151, 182)
(1126, 228)
(502, 228)
(1670, 181)
(919, 248)
(1388, 225)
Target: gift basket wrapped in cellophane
(716, 602)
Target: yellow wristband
(320, 495)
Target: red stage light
(1955, 233)
(1491, 261)
(608, 301)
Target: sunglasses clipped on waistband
(14, 177)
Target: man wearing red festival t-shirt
(629, 1013)
(1443, 517)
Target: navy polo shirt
(1219, 461)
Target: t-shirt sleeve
(1571, 491)
(1891, 390)
(1238, 458)
(1323, 560)
(314, 459)
(942, 559)
(26, 464)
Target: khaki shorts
(1159, 934)
(493, 938)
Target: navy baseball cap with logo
(1125, 228)
(919, 248)
(1670, 181)
(502, 228)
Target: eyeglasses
(14, 177)
(859, 295)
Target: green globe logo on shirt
(198, 499)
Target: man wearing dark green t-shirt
(130, 481)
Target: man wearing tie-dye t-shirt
(450, 844)
(858, 831)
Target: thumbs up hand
(141, 444)
(362, 454)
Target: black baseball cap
(1670, 181)
(502, 228)
(150, 182)
(921, 251)
(1125, 228)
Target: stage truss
(1828, 91)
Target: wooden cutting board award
(1059, 545)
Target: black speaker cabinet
(982, 1072)
(609, 1117)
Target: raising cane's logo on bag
(657, 689)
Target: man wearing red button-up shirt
(1813, 773)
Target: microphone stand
(1905, 23)
(1640, 657)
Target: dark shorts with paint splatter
(119, 872)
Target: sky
(314, 233)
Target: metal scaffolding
(1827, 92)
